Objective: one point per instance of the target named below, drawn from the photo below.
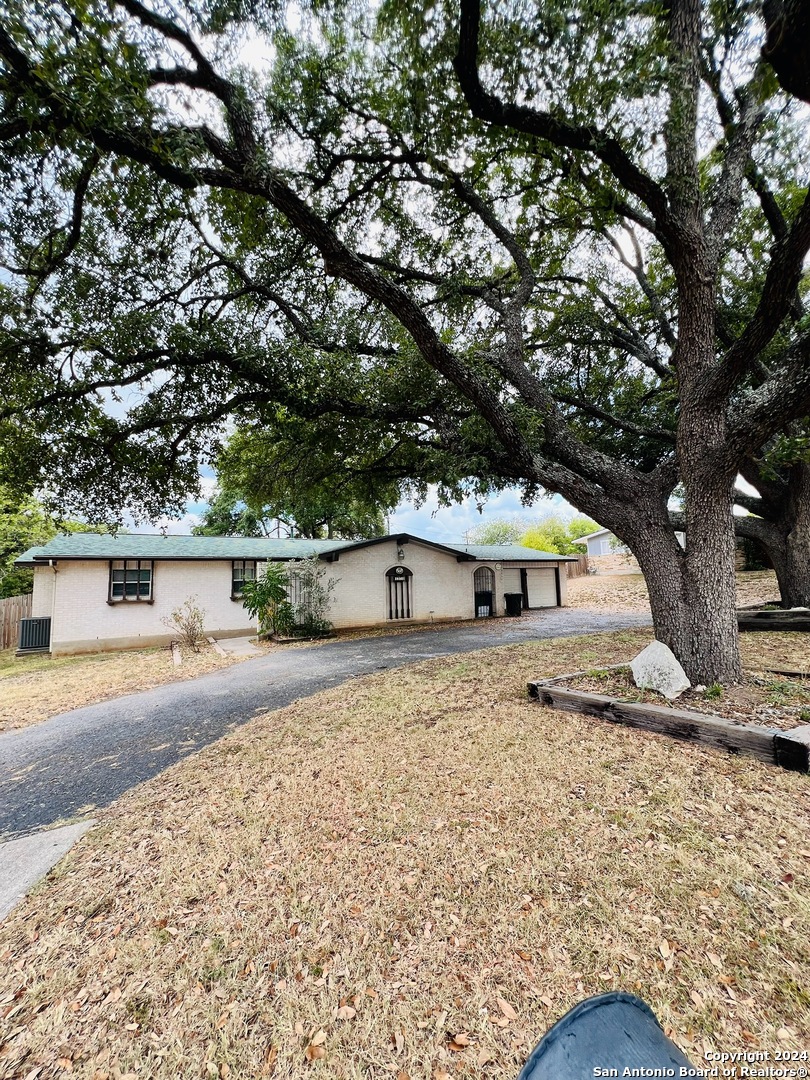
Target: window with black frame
(399, 579)
(243, 570)
(130, 579)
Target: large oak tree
(378, 227)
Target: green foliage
(549, 533)
(299, 478)
(266, 597)
(225, 515)
(554, 534)
(310, 591)
(381, 288)
(188, 622)
(498, 531)
(25, 523)
(787, 449)
(291, 599)
(713, 692)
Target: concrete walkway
(239, 646)
(26, 861)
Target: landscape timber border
(787, 749)
(775, 619)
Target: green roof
(509, 553)
(156, 546)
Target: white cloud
(444, 524)
(449, 524)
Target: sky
(443, 524)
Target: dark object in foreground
(787, 47)
(611, 1031)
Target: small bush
(188, 622)
(266, 598)
(291, 599)
(310, 596)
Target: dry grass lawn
(32, 688)
(412, 876)
(627, 592)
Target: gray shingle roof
(508, 553)
(154, 546)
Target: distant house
(607, 554)
(94, 592)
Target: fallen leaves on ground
(628, 592)
(458, 884)
(34, 688)
(767, 700)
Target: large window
(130, 579)
(399, 592)
(243, 570)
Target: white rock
(655, 668)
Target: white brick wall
(441, 587)
(84, 621)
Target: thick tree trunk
(782, 527)
(692, 592)
(792, 565)
(692, 597)
(792, 560)
(787, 47)
(709, 648)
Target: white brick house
(94, 592)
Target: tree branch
(778, 291)
(591, 140)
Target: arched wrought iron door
(399, 580)
(484, 587)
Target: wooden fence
(11, 611)
(578, 568)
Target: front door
(484, 590)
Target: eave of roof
(173, 548)
(406, 538)
(590, 536)
(84, 546)
(510, 553)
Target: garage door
(511, 580)
(542, 588)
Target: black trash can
(514, 603)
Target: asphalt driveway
(71, 765)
